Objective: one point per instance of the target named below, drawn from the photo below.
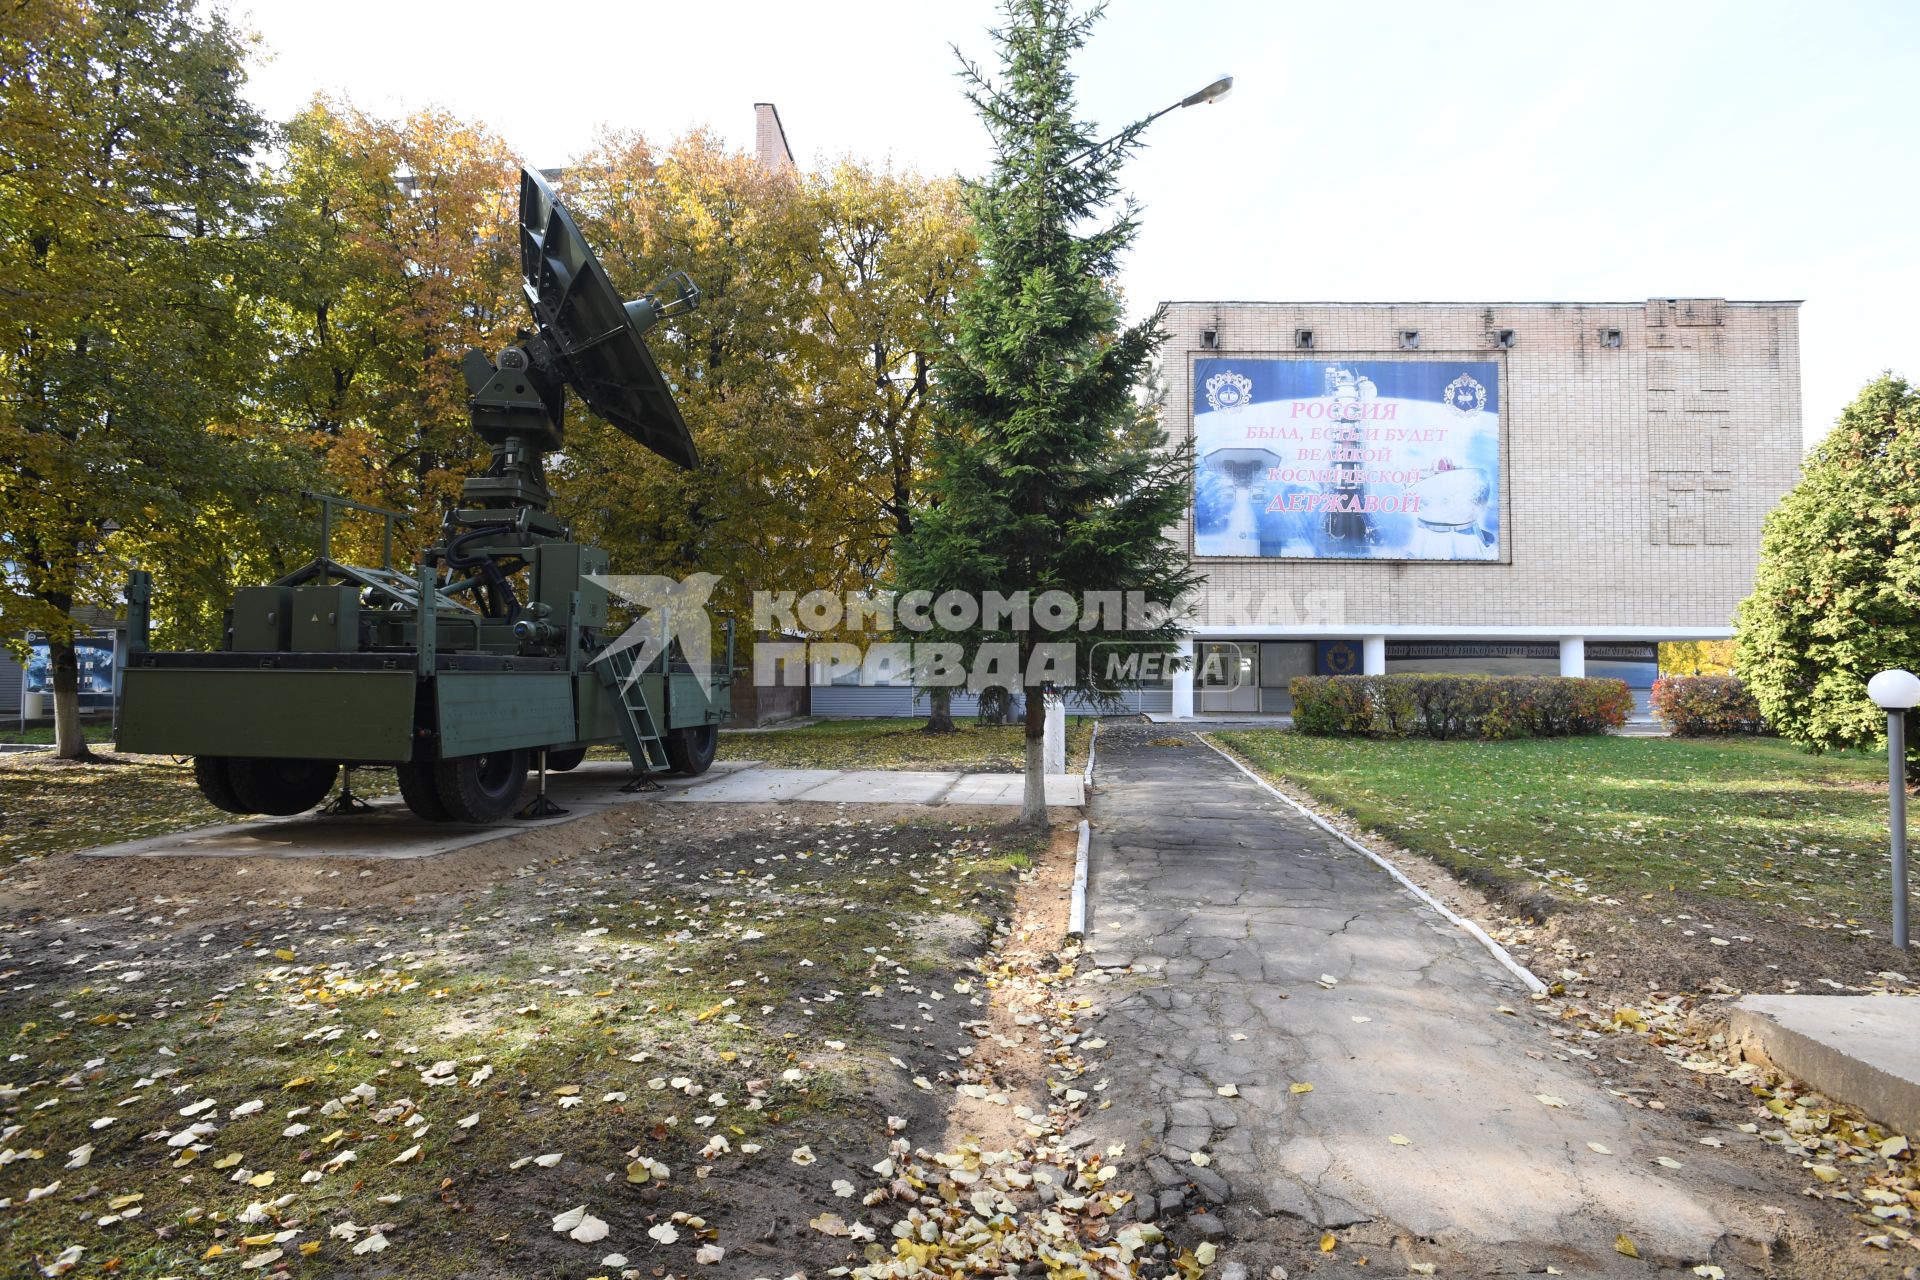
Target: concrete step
(1860, 1050)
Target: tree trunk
(69, 739)
(939, 710)
(1033, 803)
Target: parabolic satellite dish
(595, 337)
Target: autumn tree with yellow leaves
(206, 315)
(804, 373)
(129, 261)
(394, 250)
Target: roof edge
(1641, 302)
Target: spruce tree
(1043, 480)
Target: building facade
(1471, 486)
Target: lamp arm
(1132, 130)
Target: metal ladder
(638, 728)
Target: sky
(1371, 151)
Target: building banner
(1320, 459)
(95, 656)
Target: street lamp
(1220, 88)
(1897, 692)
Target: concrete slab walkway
(390, 831)
(1269, 957)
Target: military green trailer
(494, 653)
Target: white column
(1053, 741)
(1573, 656)
(1373, 656)
(1183, 682)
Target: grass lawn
(1752, 821)
(899, 744)
(92, 730)
(49, 806)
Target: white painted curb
(1077, 913)
(1473, 930)
(1086, 776)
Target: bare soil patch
(759, 998)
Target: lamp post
(1220, 88)
(1897, 692)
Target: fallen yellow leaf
(1329, 1242)
(1302, 1087)
(1623, 1245)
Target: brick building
(1472, 486)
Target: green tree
(1045, 480)
(1837, 596)
(126, 216)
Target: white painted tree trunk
(1033, 801)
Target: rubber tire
(281, 787)
(482, 788)
(562, 761)
(691, 751)
(213, 776)
(418, 789)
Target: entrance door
(1228, 678)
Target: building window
(1503, 338)
(1210, 339)
(1409, 339)
(1609, 337)
(1303, 339)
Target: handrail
(329, 501)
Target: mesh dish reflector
(580, 313)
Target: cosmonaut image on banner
(1320, 459)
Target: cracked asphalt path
(1231, 909)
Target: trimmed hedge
(1707, 706)
(1483, 707)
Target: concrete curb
(1093, 743)
(1472, 930)
(1077, 913)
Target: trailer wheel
(281, 787)
(215, 780)
(482, 788)
(691, 751)
(417, 788)
(563, 761)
